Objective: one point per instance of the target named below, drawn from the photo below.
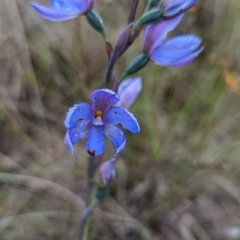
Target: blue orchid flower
(178, 51)
(100, 118)
(62, 10)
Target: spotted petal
(95, 141)
(103, 100)
(78, 113)
(123, 118)
(56, 14)
(156, 33)
(116, 136)
(128, 91)
(75, 133)
(175, 50)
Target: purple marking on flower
(128, 91)
(174, 7)
(62, 10)
(97, 120)
(107, 171)
(175, 52)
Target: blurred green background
(178, 179)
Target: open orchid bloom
(62, 10)
(174, 7)
(107, 171)
(174, 52)
(100, 118)
(128, 91)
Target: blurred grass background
(177, 179)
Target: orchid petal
(81, 5)
(185, 61)
(123, 118)
(173, 7)
(55, 14)
(128, 91)
(116, 136)
(156, 33)
(68, 143)
(74, 134)
(78, 113)
(95, 141)
(103, 100)
(175, 49)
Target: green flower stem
(85, 220)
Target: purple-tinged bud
(128, 91)
(107, 171)
(174, 7)
(122, 42)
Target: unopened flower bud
(149, 17)
(122, 42)
(96, 22)
(153, 3)
(107, 171)
(135, 65)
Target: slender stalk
(91, 172)
(85, 221)
(133, 10)
(114, 57)
(110, 67)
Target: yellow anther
(98, 115)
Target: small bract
(62, 10)
(100, 118)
